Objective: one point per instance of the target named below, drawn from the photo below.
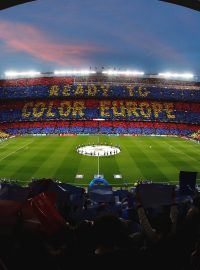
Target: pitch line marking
(15, 151)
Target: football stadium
(106, 132)
(154, 121)
(99, 167)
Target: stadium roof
(10, 3)
(193, 4)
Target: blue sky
(147, 35)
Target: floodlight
(176, 75)
(98, 119)
(111, 72)
(74, 72)
(14, 74)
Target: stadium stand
(62, 105)
(3, 135)
(51, 225)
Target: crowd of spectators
(61, 105)
(113, 110)
(35, 81)
(101, 127)
(60, 89)
(168, 83)
(3, 135)
(54, 225)
(99, 78)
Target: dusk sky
(146, 35)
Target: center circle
(98, 150)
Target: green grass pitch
(159, 159)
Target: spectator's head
(109, 231)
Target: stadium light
(168, 75)
(15, 74)
(111, 72)
(98, 119)
(74, 72)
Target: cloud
(28, 39)
(150, 44)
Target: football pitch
(159, 159)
